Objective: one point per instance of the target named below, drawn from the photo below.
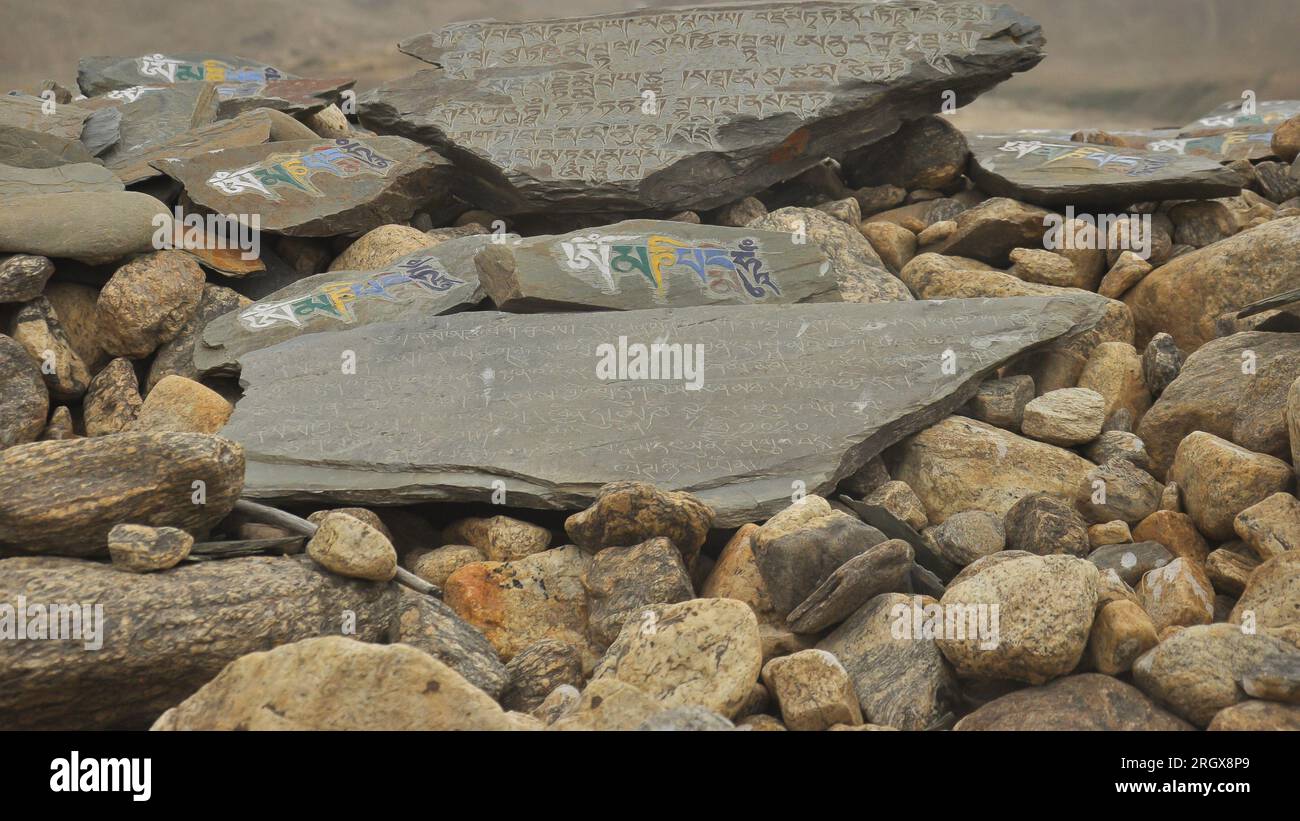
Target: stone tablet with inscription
(742, 405)
(1060, 172)
(666, 109)
(97, 75)
(435, 281)
(654, 264)
(317, 188)
(293, 97)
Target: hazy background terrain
(1110, 63)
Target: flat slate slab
(85, 176)
(1060, 172)
(548, 407)
(98, 75)
(426, 283)
(316, 188)
(654, 264)
(293, 97)
(666, 109)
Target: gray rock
(426, 283)
(24, 400)
(884, 568)
(1055, 172)
(582, 114)
(537, 670)
(901, 682)
(1118, 444)
(1001, 402)
(152, 116)
(429, 625)
(23, 277)
(92, 227)
(968, 536)
(1120, 490)
(351, 185)
(858, 273)
(653, 264)
(1161, 362)
(85, 176)
(928, 153)
(621, 580)
(877, 371)
(684, 719)
(1131, 561)
(795, 563)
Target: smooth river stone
(353, 185)
(1060, 172)
(671, 109)
(98, 75)
(548, 272)
(444, 408)
(430, 282)
(60, 179)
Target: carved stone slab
(654, 264)
(435, 281)
(1060, 172)
(97, 75)
(316, 188)
(763, 400)
(665, 109)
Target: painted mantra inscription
(1229, 144)
(217, 71)
(335, 300)
(625, 111)
(1085, 156)
(293, 171)
(723, 270)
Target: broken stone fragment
(142, 549)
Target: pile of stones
(669, 370)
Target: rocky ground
(990, 431)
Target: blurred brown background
(1110, 63)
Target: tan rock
(364, 514)
(1045, 607)
(1121, 632)
(898, 499)
(434, 566)
(609, 704)
(1271, 600)
(628, 513)
(36, 327)
(960, 464)
(813, 690)
(703, 652)
(1183, 296)
(347, 546)
(337, 683)
(330, 121)
(77, 308)
(1176, 532)
(113, 400)
(1114, 370)
(501, 538)
(736, 576)
(1250, 716)
(1045, 268)
(1229, 570)
(1178, 594)
(893, 243)
(1271, 526)
(147, 302)
(1286, 139)
(1066, 417)
(379, 247)
(935, 233)
(180, 405)
(1001, 402)
(524, 601)
(1219, 480)
(1127, 271)
(1115, 532)
(142, 549)
(24, 399)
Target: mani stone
(151, 117)
(60, 179)
(1052, 172)
(289, 97)
(316, 188)
(100, 75)
(654, 264)
(845, 382)
(585, 114)
(426, 283)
